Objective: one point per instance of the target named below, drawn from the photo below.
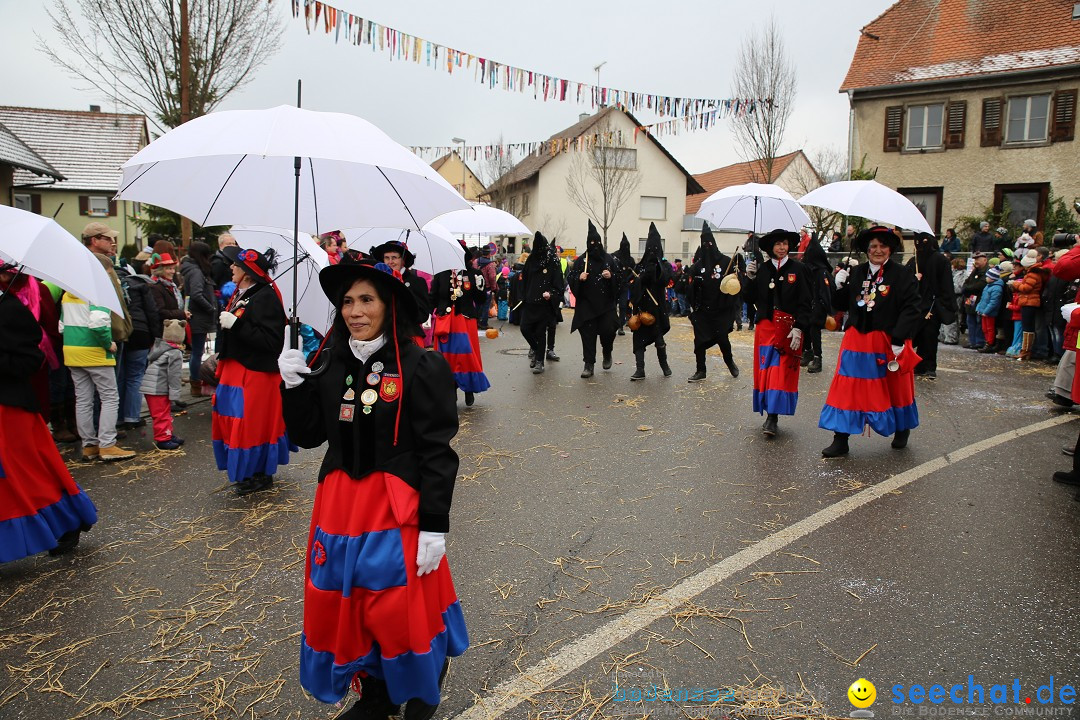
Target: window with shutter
(894, 127)
(956, 124)
(1064, 120)
(84, 205)
(35, 203)
(991, 121)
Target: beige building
(86, 149)
(964, 105)
(460, 175)
(536, 190)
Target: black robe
(596, 297)
(537, 277)
(790, 293)
(20, 354)
(466, 305)
(258, 336)
(713, 312)
(896, 307)
(937, 297)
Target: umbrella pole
(294, 320)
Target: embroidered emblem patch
(884, 290)
(390, 389)
(318, 553)
(791, 277)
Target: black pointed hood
(816, 258)
(654, 245)
(594, 244)
(540, 250)
(707, 252)
(623, 254)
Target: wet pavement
(605, 534)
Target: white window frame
(641, 245)
(922, 142)
(619, 158)
(22, 201)
(641, 207)
(102, 209)
(1014, 101)
(513, 206)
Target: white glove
(429, 551)
(293, 366)
(853, 262)
(796, 338)
(841, 277)
(427, 323)
(751, 269)
(226, 319)
(1067, 310)
(897, 349)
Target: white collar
(779, 263)
(874, 268)
(364, 349)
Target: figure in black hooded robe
(594, 280)
(712, 311)
(541, 290)
(626, 266)
(648, 299)
(937, 301)
(821, 273)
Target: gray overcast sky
(671, 48)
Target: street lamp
(462, 158)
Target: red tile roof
(737, 174)
(927, 40)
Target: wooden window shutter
(1064, 118)
(894, 127)
(955, 124)
(112, 208)
(35, 203)
(991, 121)
(84, 205)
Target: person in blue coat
(989, 306)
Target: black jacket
(936, 294)
(20, 356)
(257, 337)
(791, 291)
(472, 292)
(220, 269)
(540, 275)
(974, 286)
(648, 290)
(422, 457)
(704, 295)
(419, 288)
(896, 304)
(203, 304)
(168, 308)
(143, 309)
(596, 296)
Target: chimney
(95, 108)
(582, 117)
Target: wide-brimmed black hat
(257, 264)
(767, 240)
(336, 279)
(882, 233)
(398, 246)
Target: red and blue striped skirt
(365, 609)
(776, 374)
(247, 425)
(39, 500)
(863, 391)
(461, 348)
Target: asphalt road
(607, 537)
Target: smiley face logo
(862, 693)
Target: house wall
(7, 172)
(451, 171)
(967, 175)
(71, 220)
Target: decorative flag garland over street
(695, 113)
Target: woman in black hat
(396, 254)
(873, 383)
(380, 607)
(780, 291)
(455, 297)
(248, 430)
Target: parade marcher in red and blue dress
(41, 506)
(455, 297)
(247, 426)
(780, 291)
(380, 611)
(874, 382)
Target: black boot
(815, 365)
(607, 360)
(698, 376)
(470, 398)
(588, 371)
(806, 358)
(417, 709)
(770, 428)
(552, 356)
(538, 367)
(66, 544)
(639, 373)
(1067, 478)
(899, 441)
(838, 448)
(661, 357)
(374, 702)
(731, 366)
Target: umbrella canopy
(482, 220)
(868, 199)
(754, 207)
(312, 306)
(49, 252)
(434, 247)
(237, 167)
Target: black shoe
(374, 702)
(696, 377)
(131, 425)
(666, 369)
(470, 398)
(419, 710)
(253, 484)
(532, 353)
(814, 366)
(770, 428)
(67, 543)
(899, 441)
(930, 375)
(986, 349)
(838, 448)
(178, 405)
(1067, 478)
(1062, 401)
(621, 332)
(607, 361)
(639, 374)
(552, 356)
(588, 371)
(732, 367)
(539, 367)
(805, 360)
(1068, 450)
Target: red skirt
(39, 500)
(461, 348)
(365, 609)
(776, 374)
(247, 425)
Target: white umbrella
(49, 252)
(754, 207)
(434, 247)
(868, 199)
(312, 306)
(482, 220)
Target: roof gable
(87, 147)
(927, 40)
(15, 152)
(737, 174)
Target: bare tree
(602, 177)
(826, 165)
(552, 226)
(764, 72)
(129, 50)
(495, 173)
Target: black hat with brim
(407, 258)
(337, 279)
(766, 242)
(252, 262)
(882, 233)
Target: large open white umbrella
(482, 220)
(49, 252)
(754, 207)
(868, 199)
(434, 247)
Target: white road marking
(515, 690)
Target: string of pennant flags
(403, 47)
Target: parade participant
(873, 383)
(648, 301)
(390, 620)
(626, 266)
(820, 271)
(41, 506)
(542, 286)
(201, 296)
(454, 296)
(557, 257)
(780, 293)
(712, 311)
(937, 303)
(247, 427)
(594, 280)
(396, 254)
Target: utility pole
(597, 69)
(185, 98)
